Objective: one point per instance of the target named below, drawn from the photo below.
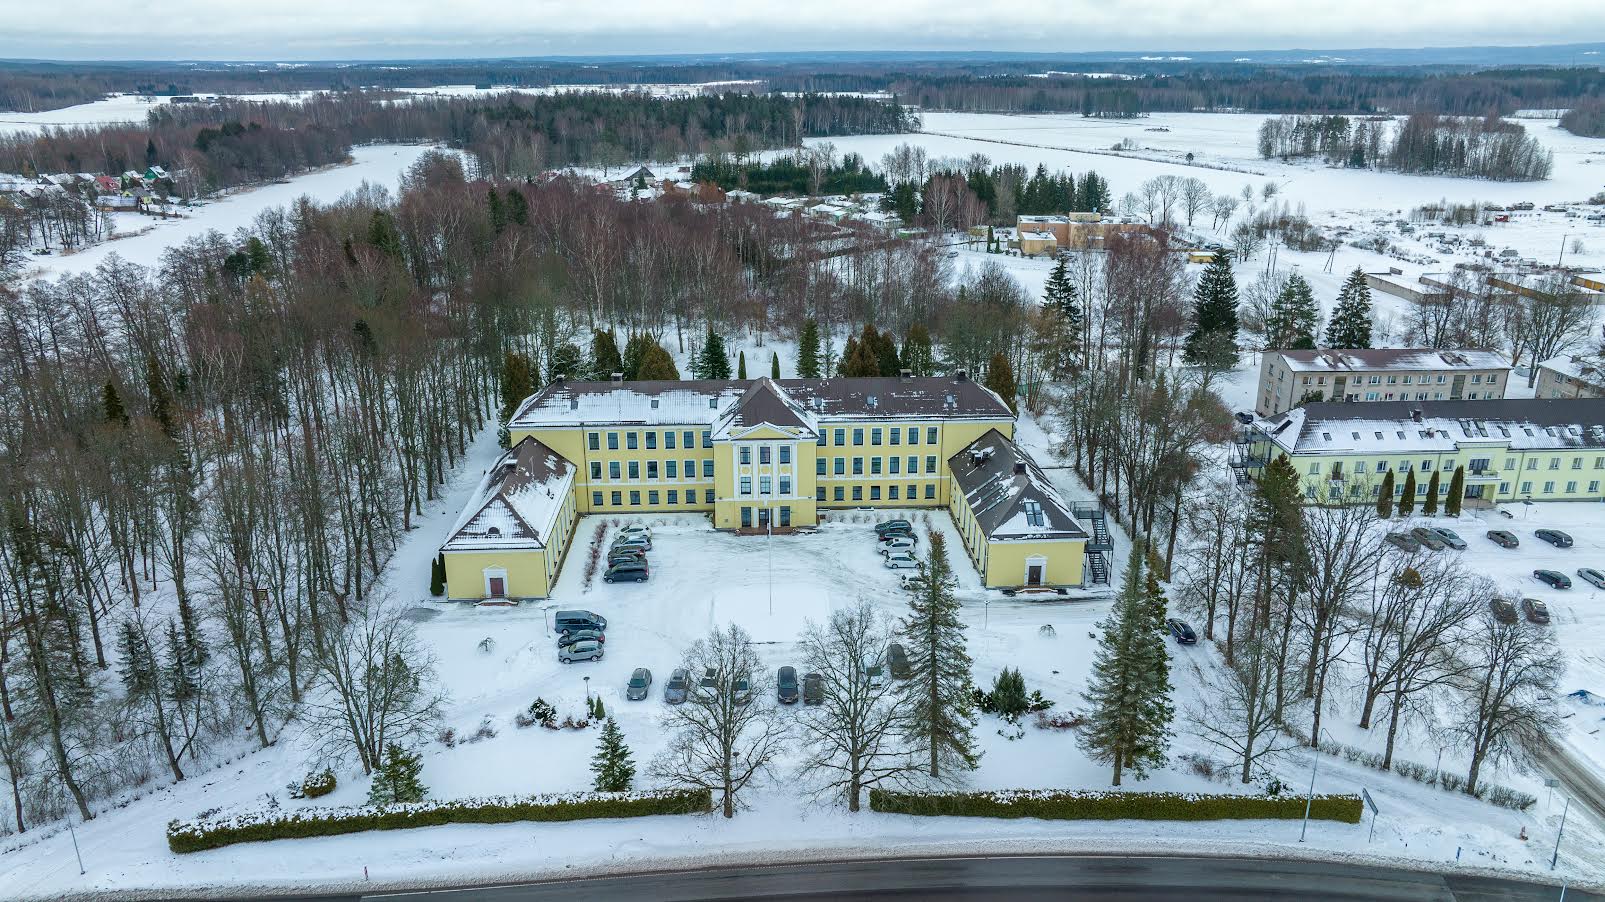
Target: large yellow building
(754, 455)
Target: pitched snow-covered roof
(705, 401)
(1586, 368)
(765, 403)
(1522, 424)
(1008, 493)
(1368, 359)
(517, 504)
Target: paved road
(1576, 778)
(1081, 878)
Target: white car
(635, 529)
(901, 560)
(896, 544)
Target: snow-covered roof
(1587, 368)
(1038, 236)
(517, 504)
(766, 404)
(1522, 424)
(1369, 359)
(1008, 493)
(705, 401)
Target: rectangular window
(819, 466)
(763, 454)
(1426, 466)
(1571, 487)
(839, 494)
(1549, 488)
(707, 469)
(618, 498)
(913, 465)
(1526, 488)
(746, 518)
(930, 463)
(930, 490)
(652, 497)
(1599, 463)
(651, 468)
(785, 516)
(1532, 463)
(894, 434)
(892, 464)
(630, 440)
(596, 471)
(1315, 469)
(674, 496)
(858, 493)
(635, 499)
(913, 435)
(746, 485)
(841, 438)
(765, 485)
(613, 469)
(875, 436)
(841, 466)
(668, 441)
(1382, 466)
(594, 441)
(691, 469)
(822, 434)
(1577, 463)
(819, 493)
(875, 466)
(596, 499)
(707, 439)
(671, 469)
(874, 493)
(613, 441)
(785, 454)
(707, 496)
(1554, 463)
(858, 466)
(746, 455)
(785, 485)
(1593, 487)
(635, 469)
(858, 436)
(652, 441)
(930, 435)
(690, 439)
(891, 493)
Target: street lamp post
(1562, 832)
(1309, 800)
(587, 689)
(769, 547)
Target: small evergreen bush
(318, 784)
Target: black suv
(786, 685)
(626, 571)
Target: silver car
(586, 650)
(1589, 574)
(640, 684)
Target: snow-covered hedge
(198, 835)
(1110, 806)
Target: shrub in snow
(1505, 797)
(211, 833)
(539, 712)
(318, 784)
(397, 778)
(1102, 805)
(448, 737)
(485, 730)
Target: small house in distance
(512, 536)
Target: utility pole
(1562, 832)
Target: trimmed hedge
(1111, 806)
(199, 835)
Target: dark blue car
(1183, 633)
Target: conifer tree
(1457, 490)
(634, 350)
(1429, 505)
(1000, 378)
(518, 382)
(612, 765)
(1385, 496)
(941, 719)
(437, 576)
(859, 359)
(774, 365)
(111, 404)
(498, 213)
(517, 207)
(918, 356)
(605, 357)
(1128, 723)
(1351, 320)
(1213, 341)
(714, 363)
(1407, 498)
(1294, 317)
(808, 362)
(567, 362)
(886, 354)
(656, 364)
(396, 780)
(1059, 296)
(741, 365)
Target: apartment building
(754, 455)
(1290, 378)
(1571, 376)
(1510, 450)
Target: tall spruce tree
(605, 357)
(396, 780)
(1294, 317)
(656, 364)
(1128, 721)
(437, 576)
(918, 356)
(566, 362)
(1407, 497)
(112, 406)
(518, 382)
(1213, 341)
(1457, 490)
(774, 365)
(1351, 320)
(715, 363)
(809, 365)
(1429, 504)
(612, 766)
(859, 359)
(1000, 378)
(1385, 496)
(741, 365)
(1059, 296)
(941, 716)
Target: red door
(498, 587)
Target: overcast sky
(369, 29)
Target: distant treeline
(803, 173)
(1586, 119)
(1424, 142)
(236, 142)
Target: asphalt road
(1080, 878)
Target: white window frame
(490, 573)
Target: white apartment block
(1288, 379)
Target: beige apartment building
(1571, 376)
(1288, 379)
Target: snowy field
(117, 109)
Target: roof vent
(1416, 415)
(618, 378)
(873, 401)
(1019, 468)
(560, 378)
(961, 376)
(905, 374)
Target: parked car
(569, 637)
(640, 683)
(1554, 537)
(708, 686)
(876, 674)
(568, 621)
(1593, 576)
(740, 690)
(1536, 611)
(678, 687)
(1503, 610)
(1504, 538)
(901, 560)
(813, 689)
(1182, 632)
(1427, 538)
(622, 555)
(589, 650)
(1402, 541)
(1450, 537)
(897, 660)
(786, 685)
(895, 543)
(635, 529)
(626, 571)
(889, 526)
(905, 581)
(1553, 578)
(625, 542)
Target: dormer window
(654, 403)
(713, 403)
(494, 532)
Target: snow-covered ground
(117, 109)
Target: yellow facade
(527, 573)
(1008, 563)
(1494, 474)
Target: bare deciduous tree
(1511, 670)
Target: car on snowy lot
(741, 690)
(708, 686)
(901, 560)
(678, 687)
(906, 581)
(588, 650)
(1449, 537)
(1553, 578)
(1181, 631)
(892, 544)
(1502, 609)
(1402, 541)
(1592, 576)
(1536, 611)
(626, 572)
(640, 684)
(1554, 537)
(635, 529)
(1428, 538)
(897, 660)
(622, 556)
(786, 685)
(569, 637)
(813, 689)
(568, 621)
(632, 542)
(888, 527)
(1504, 538)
